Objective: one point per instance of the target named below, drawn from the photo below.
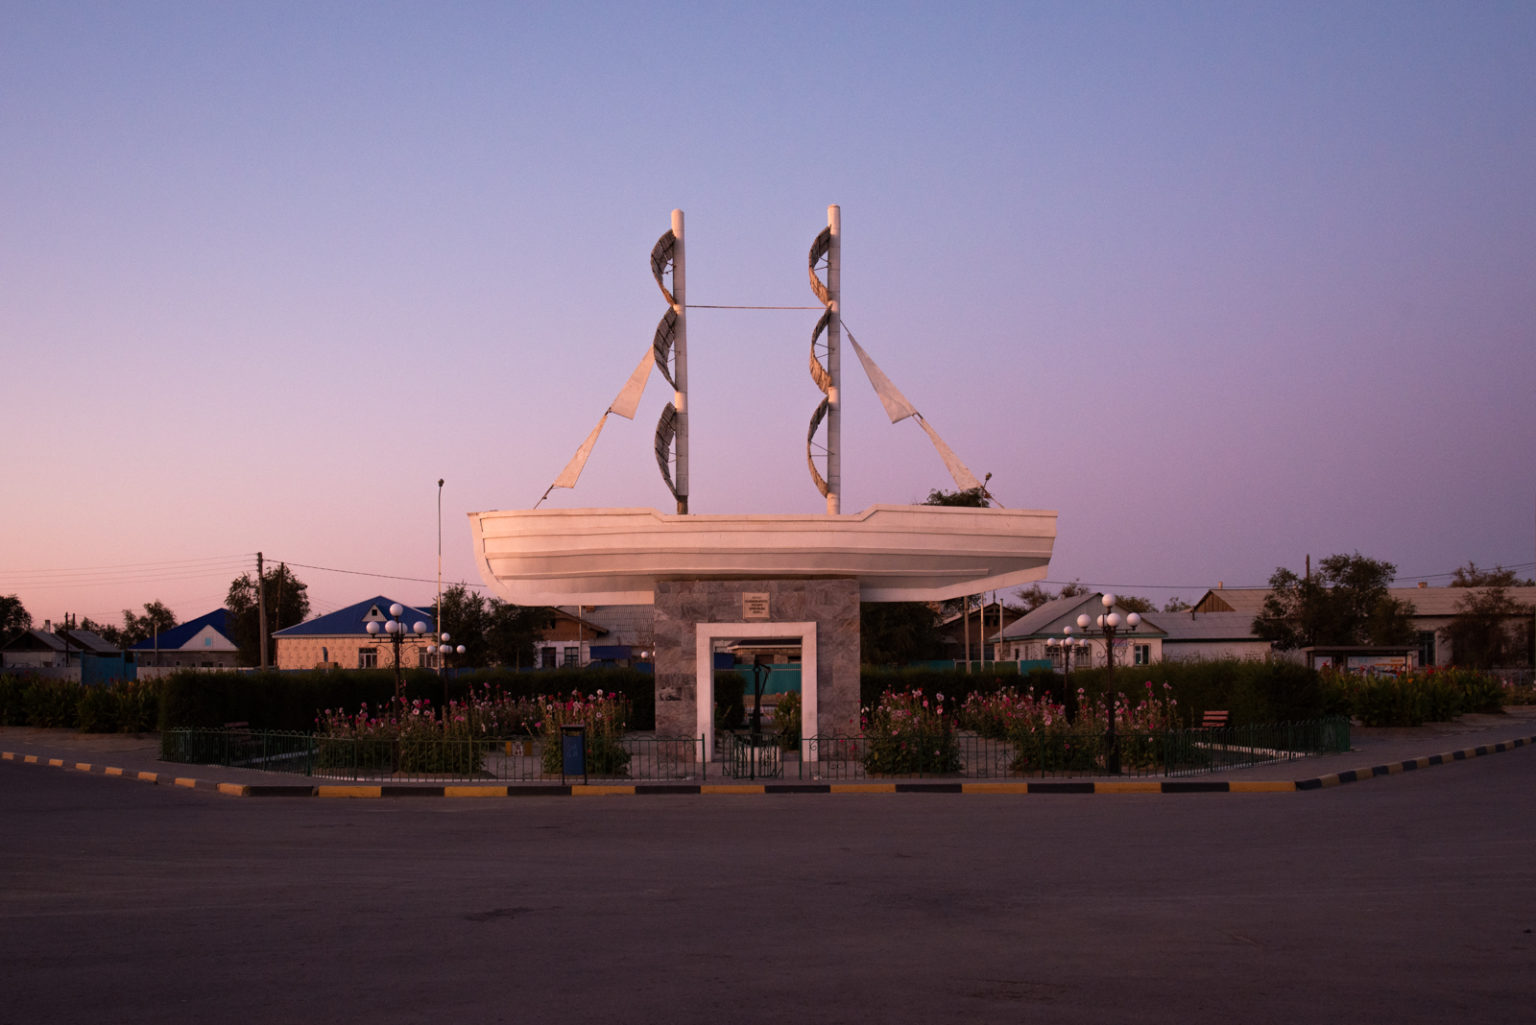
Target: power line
(366, 573)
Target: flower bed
(909, 734)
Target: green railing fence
(740, 756)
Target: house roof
(178, 636)
(1426, 601)
(1204, 626)
(87, 641)
(354, 619)
(1048, 619)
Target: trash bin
(573, 751)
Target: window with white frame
(367, 658)
(1142, 654)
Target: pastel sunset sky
(1223, 283)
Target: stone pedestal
(831, 604)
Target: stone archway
(691, 614)
(705, 634)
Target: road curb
(1018, 787)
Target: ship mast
(834, 362)
(680, 362)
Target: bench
(1214, 720)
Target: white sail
(625, 405)
(965, 480)
(896, 405)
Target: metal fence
(357, 759)
(638, 757)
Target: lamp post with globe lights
(1108, 623)
(396, 629)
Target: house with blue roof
(204, 643)
(343, 639)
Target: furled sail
(820, 247)
(666, 430)
(661, 259)
(666, 335)
(810, 459)
(819, 250)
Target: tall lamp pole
(1108, 623)
(396, 629)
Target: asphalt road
(1403, 899)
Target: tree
(113, 635)
(1133, 603)
(157, 619)
(463, 617)
(1030, 598)
(898, 632)
(287, 602)
(1176, 604)
(1471, 575)
(512, 632)
(1346, 603)
(14, 617)
(1490, 630)
(975, 498)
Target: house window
(573, 656)
(546, 658)
(1426, 641)
(367, 658)
(1142, 654)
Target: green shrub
(786, 720)
(52, 703)
(13, 705)
(910, 733)
(605, 718)
(289, 700)
(1410, 699)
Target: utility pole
(261, 610)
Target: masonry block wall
(833, 605)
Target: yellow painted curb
(149, 777)
(233, 789)
(602, 791)
(186, 781)
(1138, 787)
(349, 791)
(1329, 780)
(30, 759)
(863, 788)
(112, 770)
(1261, 787)
(994, 788)
(732, 788)
(57, 763)
(7, 756)
(83, 766)
(474, 791)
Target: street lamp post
(1108, 623)
(396, 629)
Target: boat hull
(897, 553)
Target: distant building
(1433, 610)
(203, 642)
(1038, 636)
(49, 649)
(340, 639)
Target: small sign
(754, 605)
